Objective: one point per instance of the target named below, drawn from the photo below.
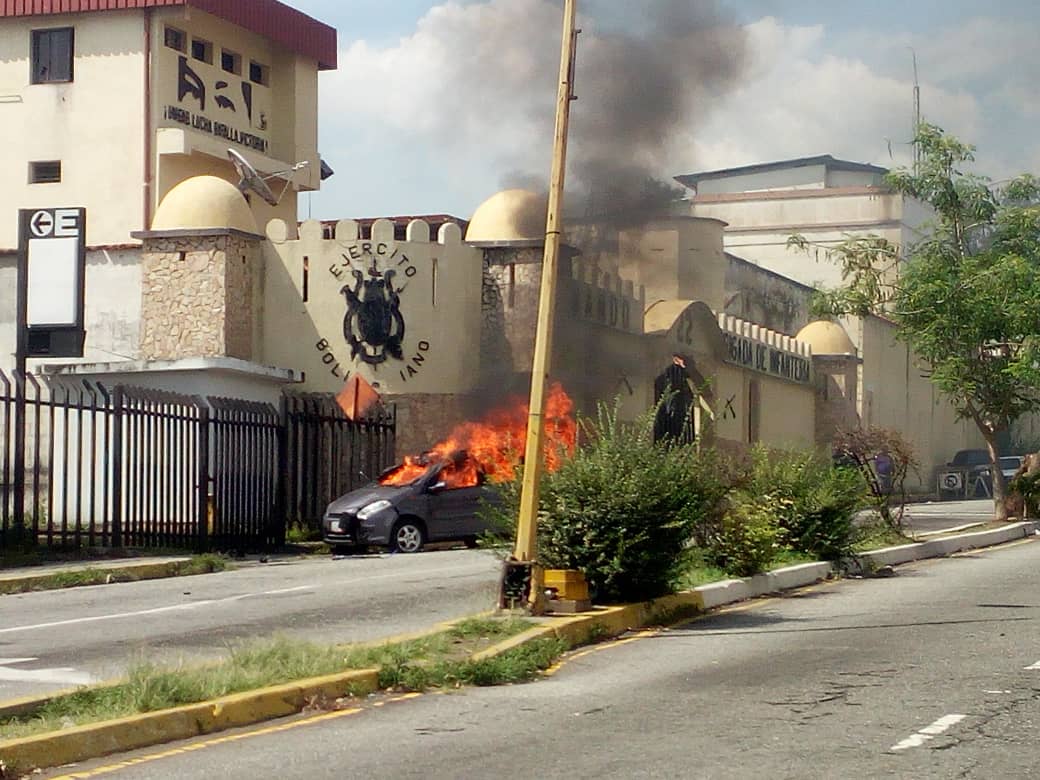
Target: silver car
(405, 518)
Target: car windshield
(1010, 463)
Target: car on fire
(412, 504)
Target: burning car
(443, 494)
(425, 499)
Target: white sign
(54, 244)
(53, 284)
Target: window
(202, 50)
(52, 55)
(231, 62)
(175, 39)
(48, 172)
(259, 74)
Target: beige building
(827, 200)
(115, 102)
(126, 99)
(193, 286)
(821, 198)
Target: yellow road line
(179, 751)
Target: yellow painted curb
(601, 622)
(139, 571)
(137, 731)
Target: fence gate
(246, 492)
(159, 469)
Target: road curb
(937, 548)
(12, 584)
(243, 709)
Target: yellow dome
(511, 215)
(827, 338)
(204, 202)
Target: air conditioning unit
(951, 480)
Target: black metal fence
(328, 455)
(143, 468)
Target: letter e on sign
(66, 223)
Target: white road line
(155, 611)
(1034, 666)
(62, 675)
(928, 732)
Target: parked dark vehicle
(970, 474)
(1009, 465)
(405, 517)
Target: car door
(454, 512)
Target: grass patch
(439, 660)
(877, 536)
(197, 564)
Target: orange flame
(494, 446)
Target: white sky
(438, 105)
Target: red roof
(273, 20)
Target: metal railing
(133, 467)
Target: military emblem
(373, 325)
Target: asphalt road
(941, 515)
(934, 673)
(56, 639)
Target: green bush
(623, 509)
(747, 537)
(813, 502)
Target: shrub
(747, 537)
(812, 501)
(884, 459)
(623, 509)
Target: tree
(965, 297)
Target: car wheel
(408, 537)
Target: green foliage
(810, 501)
(965, 298)
(748, 536)
(624, 508)
(1027, 485)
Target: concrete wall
(805, 177)
(112, 310)
(759, 295)
(94, 125)
(759, 226)
(439, 284)
(283, 116)
(675, 258)
(894, 394)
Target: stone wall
(241, 262)
(197, 297)
(424, 419)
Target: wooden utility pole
(527, 525)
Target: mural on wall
(372, 303)
(192, 96)
(373, 325)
